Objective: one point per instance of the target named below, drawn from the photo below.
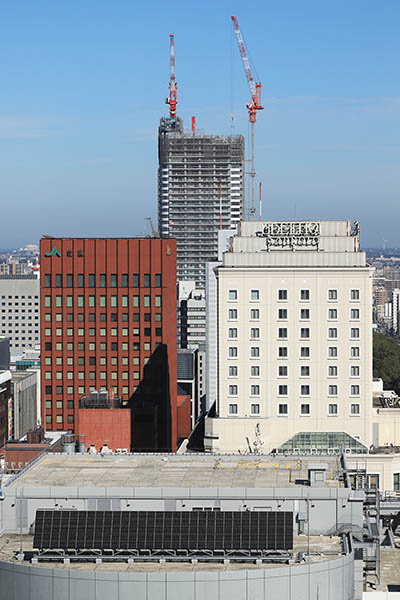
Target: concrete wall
(327, 508)
(330, 580)
(25, 403)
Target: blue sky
(83, 87)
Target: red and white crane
(172, 100)
(253, 106)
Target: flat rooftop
(322, 548)
(185, 471)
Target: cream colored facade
(294, 336)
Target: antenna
(173, 87)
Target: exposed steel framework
(172, 100)
(253, 106)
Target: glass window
(146, 280)
(232, 333)
(282, 295)
(304, 390)
(81, 301)
(282, 371)
(92, 301)
(233, 390)
(254, 352)
(282, 352)
(332, 295)
(103, 280)
(332, 352)
(254, 390)
(332, 390)
(47, 280)
(354, 371)
(254, 333)
(58, 280)
(282, 390)
(80, 280)
(332, 332)
(135, 280)
(304, 409)
(254, 295)
(354, 390)
(354, 332)
(114, 301)
(304, 294)
(354, 313)
(396, 482)
(92, 280)
(304, 371)
(332, 371)
(124, 301)
(233, 371)
(233, 295)
(157, 301)
(355, 352)
(232, 314)
(305, 333)
(282, 333)
(255, 371)
(283, 409)
(304, 352)
(58, 301)
(102, 301)
(157, 280)
(332, 409)
(70, 301)
(124, 280)
(332, 314)
(255, 409)
(113, 280)
(354, 294)
(354, 409)
(232, 352)
(282, 313)
(233, 409)
(254, 314)
(304, 314)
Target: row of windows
(14, 296)
(283, 371)
(102, 331)
(304, 295)
(305, 409)
(102, 280)
(91, 317)
(80, 360)
(102, 301)
(304, 314)
(20, 304)
(283, 352)
(81, 390)
(304, 333)
(283, 390)
(91, 375)
(91, 346)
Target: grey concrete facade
(20, 311)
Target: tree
(386, 362)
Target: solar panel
(169, 530)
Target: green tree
(386, 363)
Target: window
(355, 352)
(282, 333)
(254, 314)
(282, 313)
(124, 280)
(332, 371)
(58, 281)
(354, 333)
(332, 314)
(304, 295)
(396, 482)
(305, 333)
(354, 294)
(354, 390)
(80, 280)
(81, 301)
(233, 390)
(254, 352)
(254, 295)
(255, 409)
(114, 301)
(255, 371)
(136, 303)
(354, 409)
(254, 390)
(102, 301)
(282, 352)
(232, 295)
(47, 281)
(283, 409)
(146, 280)
(332, 352)
(233, 371)
(282, 295)
(135, 280)
(304, 314)
(332, 295)
(355, 371)
(332, 390)
(304, 352)
(332, 409)
(354, 313)
(304, 390)
(304, 409)
(113, 280)
(92, 301)
(282, 371)
(157, 280)
(47, 301)
(332, 333)
(282, 390)
(232, 352)
(232, 333)
(157, 301)
(233, 409)
(304, 371)
(92, 280)
(103, 280)
(254, 333)
(232, 314)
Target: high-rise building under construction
(200, 190)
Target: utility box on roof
(317, 474)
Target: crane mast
(172, 100)
(253, 106)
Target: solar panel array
(169, 530)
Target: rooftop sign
(291, 234)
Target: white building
(20, 311)
(396, 312)
(294, 338)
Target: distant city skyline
(84, 89)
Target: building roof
(180, 471)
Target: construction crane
(154, 233)
(253, 106)
(173, 88)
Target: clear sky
(83, 84)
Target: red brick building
(108, 322)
